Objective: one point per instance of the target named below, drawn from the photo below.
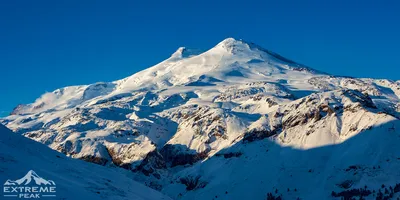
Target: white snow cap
(230, 44)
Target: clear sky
(45, 45)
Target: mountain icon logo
(31, 186)
(30, 177)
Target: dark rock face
(230, 154)
(363, 99)
(168, 156)
(184, 159)
(293, 121)
(94, 159)
(271, 102)
(175, 156)
(153, 160)
(193, 182)
(116, 160)
(255, 135)
(66, 148)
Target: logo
(31, 186)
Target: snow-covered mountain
(74, 179)
(234, 122)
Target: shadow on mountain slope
(371, 158)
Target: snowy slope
(207, 114)
(369, 159)
(74, 179)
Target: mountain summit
(183, 52)
(234, 122)
(231, 61)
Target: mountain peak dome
(184, 52)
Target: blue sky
(45, 45)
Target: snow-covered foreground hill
(236, 121)
(74, 179)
